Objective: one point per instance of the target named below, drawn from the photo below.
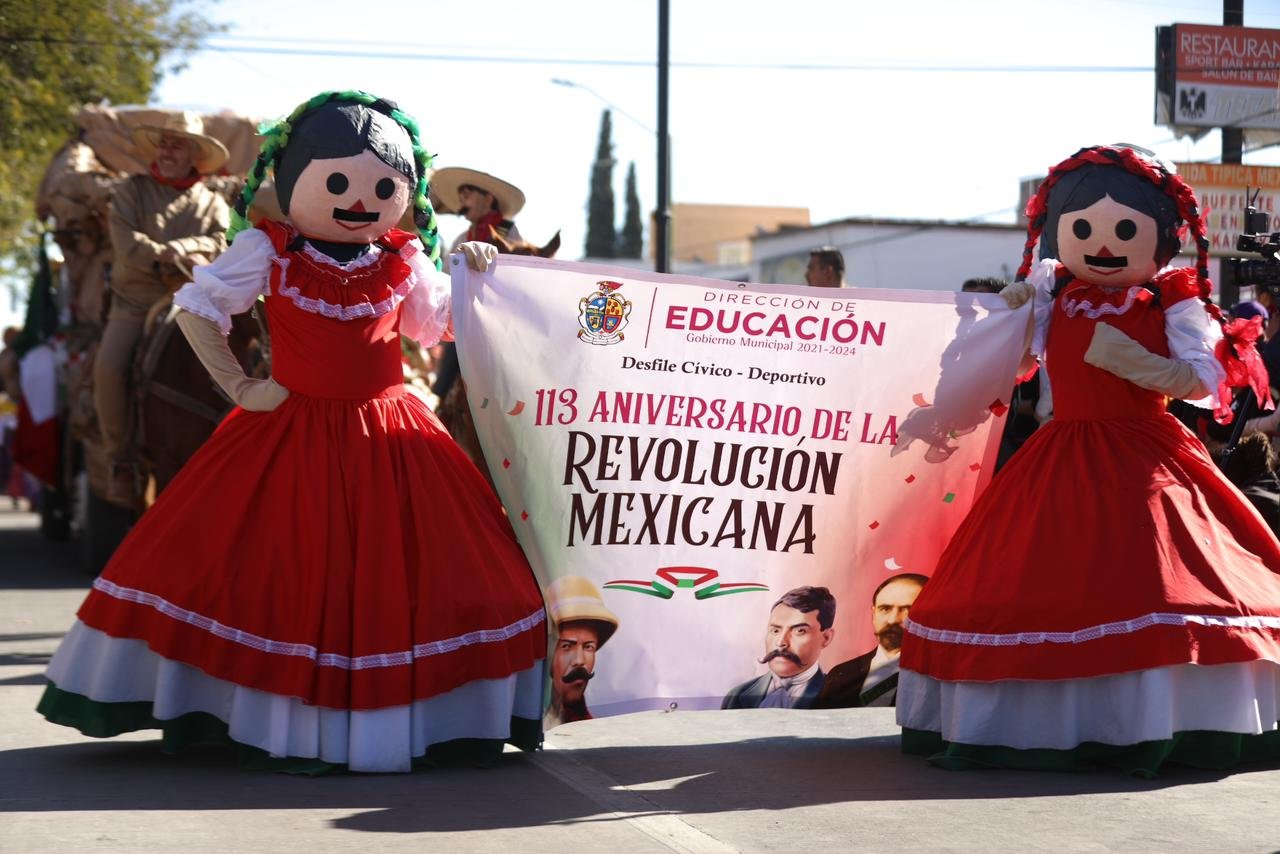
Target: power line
(219, 46)
(648, 63)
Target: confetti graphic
(874, 525)
(997, 408)
(484, 403)
(918, 400)
(524, 515)
(506, 464)
(974, 466)
(949, 497)
(911, 478)
(517, 409)
(891, 563)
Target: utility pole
(1232, 152)
(662, 220)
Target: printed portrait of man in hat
(583, 625)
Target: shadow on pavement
(772, 773)
(32, 562)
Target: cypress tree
(602, 239)
(631, 242)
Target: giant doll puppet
(329, 582)
(1111, 598)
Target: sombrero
(445, 183)
(209, 154)
(573, 598)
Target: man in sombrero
(490, 205)
(485, 201)
(161, 222)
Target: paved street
(654, 782)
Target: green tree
(631, 241)
(56, 57)
(602, 239)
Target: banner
(677, 455)
(1220, 188)
(1217, 76)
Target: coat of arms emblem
(603, 314)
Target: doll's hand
(1017, 294)
(479, 255)
(260, 395)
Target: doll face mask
(346, 175)
(348, 199)
(1108, 244)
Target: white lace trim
(1120, 627)
(190, 297)
(1074, 307)
(322, 659)
(374, 253)
(357, 311)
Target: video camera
(1264, 272)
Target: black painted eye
(1081, 229)
(1126, 229)
(337, 183)
(386, 187)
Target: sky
(849, 108)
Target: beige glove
(479, 255)
(210, 345)
(1017, 294)
(1116, 352)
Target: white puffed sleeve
(1042, 278)
(232, 283)
(1193, 335)
(425, 312)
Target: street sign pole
(662, 220)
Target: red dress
(340, 550)
(1110, 544)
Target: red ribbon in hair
(1238, 354)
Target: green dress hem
(104, 720)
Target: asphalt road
(768, 780)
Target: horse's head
(524, 247)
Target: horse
(524, 247)
(176, 404)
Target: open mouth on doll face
(1106, 265)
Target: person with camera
(1267, 298)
